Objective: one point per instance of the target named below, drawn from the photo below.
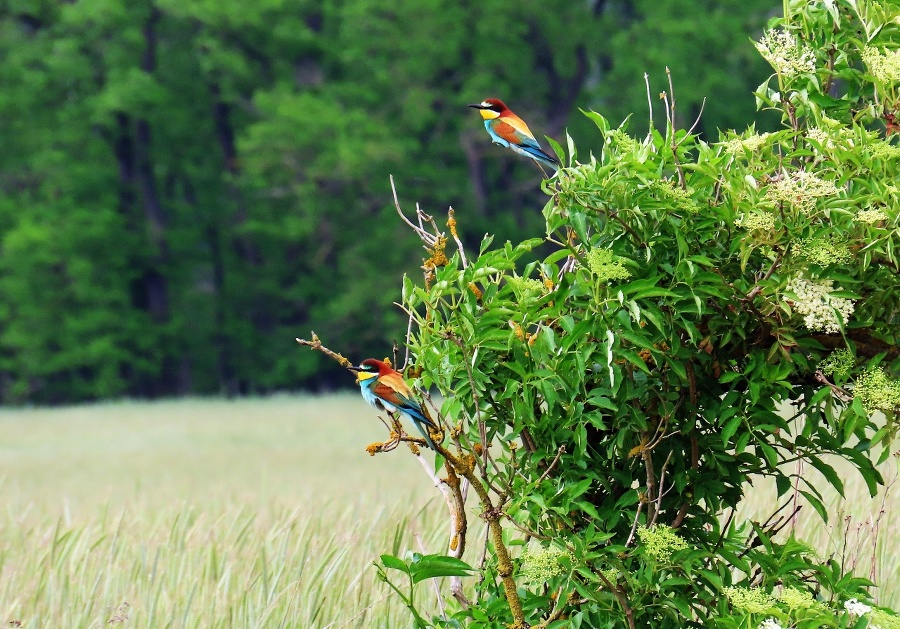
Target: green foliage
(187, 186)
(628, 414)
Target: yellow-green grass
(862, 531)
(205, 513)
(253, 513)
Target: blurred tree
(187, 185)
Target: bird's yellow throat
(362, 376)
(488, 114)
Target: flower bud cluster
(540, 563)
(840, 364)
(748, 144)
(660, 541)
(876, 391)
(756, 221)
(750, 600)
(884, 66)
(606, 266)
(870, 217)
(823, 251)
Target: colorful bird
(384, 388)
(507, 129)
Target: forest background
(187, 186)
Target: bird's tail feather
(538, 154)
(423, 428)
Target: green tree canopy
(186, 186)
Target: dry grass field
(252, 513)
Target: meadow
(257, 513)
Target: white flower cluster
(855, 608)
(870, 217)
(819, 308)
(884, 66)
(783, 53)
(829, 138)
(800, 189)
(770, 623)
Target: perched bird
(384, 388)
(507, 129)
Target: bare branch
(649, 103)
(553, 463)
(316, 344)
(637, 515)
(427, 238)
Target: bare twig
(553, 463)
(316, 344)
(660, 490)
(637, 515)
(842, 394)
(429, 239)
(649, 103)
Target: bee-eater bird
(507, 129)
(384, 388)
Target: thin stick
(316, 344)
(553, 463)
(429, 239)
(637, 516)
(649, 103)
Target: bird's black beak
(478, 106)
(354, 369)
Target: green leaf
(395, 563)
(431, 566)
(828, 472)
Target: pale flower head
(884, 66)
(823, 251)
(660, 541)
(756, 221)
(796, 599)
(541, 563)
(800, 189)
(750, 600)
(856, 609)
(870, 217)
(784, 54)
(770, 623)
(876, 391)
(751, 143)
(819, 308)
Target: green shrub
(711, 313)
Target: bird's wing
(393, 389)
(514, 131)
